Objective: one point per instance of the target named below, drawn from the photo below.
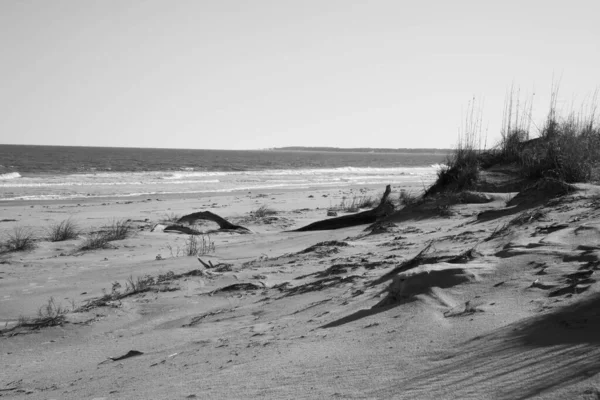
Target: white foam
(121, 184)
(10, 175)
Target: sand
(429, 306)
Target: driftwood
(182, 229)
(362, 218)
(224, 225)
(366, 217)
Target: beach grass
(64, 230)
(263, 211)
(50, 314)
(115, 230)
(355, 203)
(567, 147)
(18, 239)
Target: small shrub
(94, 241)
(264, 211)
(19, 239)
(50, 314)
(195, 245)
(460, 173)
(408, 198)
(461, 170)
(198, 247)
(139, 285)
(170, 218)
(118, 230)
(354, 204)
(64, 230)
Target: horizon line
(291, 148)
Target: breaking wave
(9, 175)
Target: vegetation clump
(194, 245)
(355, 204)
(263, 211)
(567, 149)
(19, 239)
(116, 230)
(64, 230)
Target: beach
(429, 304)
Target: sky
(239, 74)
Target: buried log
(224, 225)
(182, 229)
(384, 209)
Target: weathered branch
(181, 228)
(224, 225)
(366, 217)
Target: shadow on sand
(518, 361)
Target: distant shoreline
(363, 150)
(286, 148)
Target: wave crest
(10, 175)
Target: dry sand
(482, 313)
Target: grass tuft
(95, 241)
(263, 211)
(408, 198)
(116, 230)
(64, 230)
(50, 314)
(567, 149)
(19, 239)
(355, 204)
(195, 245)
(461, 170)
(170, 218)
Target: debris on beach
(224, 225)
(384, 209)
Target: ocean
(55, 172)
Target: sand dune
(487, 301)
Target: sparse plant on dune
(95, 241)
(19, 239)
(139, 285)
(567, 149)
(355, 203)
(50, 314)
(408, 198)
(461, 169)
(64, 230)
(263, 211)
(194, 245)
(198, 247)
(116, 230)
(170, 218)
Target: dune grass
(461, 169)
(355, 203)
(567, 148)
(199, 247)
(50, 314)
(116, 230)
(18, 239)
(194, 245)
(64, 230)
(263, 211)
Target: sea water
(52, 173)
